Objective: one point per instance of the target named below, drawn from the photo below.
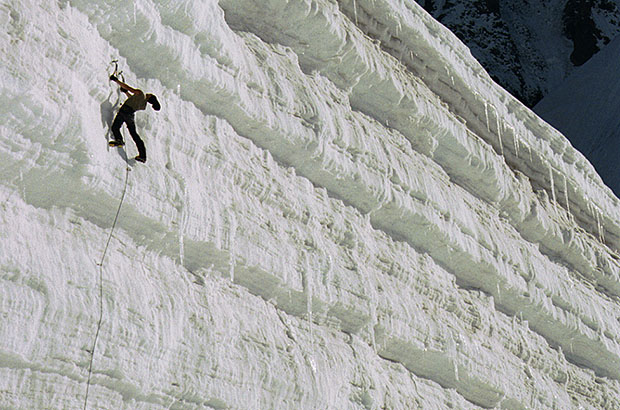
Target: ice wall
(340, 210)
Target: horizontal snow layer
(489, 111)
(168, 342)
(297, 236)
(483, 173)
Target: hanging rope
(100, 264)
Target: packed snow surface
(340, 210)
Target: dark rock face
(529, 46)
(579, 27)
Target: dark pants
(126, 116)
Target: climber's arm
(124, 87)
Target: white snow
(340, 210)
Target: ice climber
(136, 102)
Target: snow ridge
(326, 220)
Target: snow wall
(340, 210)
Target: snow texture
(340, 210)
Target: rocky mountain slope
(530, 47)
(585, 108)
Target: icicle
(486, 114)
(182, 226)
(499, 293)
(552, 188)
(499, 134)
(232, 226)
(181, 249)
(372, 324)
(456, 370)
(515, 140)
(566, 193)
(601, 228)
(599, 225)
(371, 295)
(595, 215)
(307, 284)
(451, 352)
(355, 12)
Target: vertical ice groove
(592, 209)
(486, 115)
(232, 246)
(552, 187)
(181, 248)
(516, 140)
(566, 194)
(499, 292)
(499, 134)
(307, 278)
(599, 224)
(451, 353)
(372, 297)
(182, 223)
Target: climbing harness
(100, 264)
